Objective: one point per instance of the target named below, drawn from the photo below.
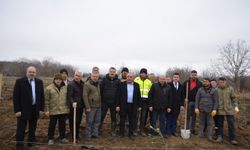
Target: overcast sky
(156, 34)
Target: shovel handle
(185, 126)
(74, 134)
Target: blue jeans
(162, 115)
(171, 123)
(191, 117)
(93, 121)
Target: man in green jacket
(228, 106)
(92, 101)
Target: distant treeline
(47, 67)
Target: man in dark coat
(128, 104)
(28, 99)
(177, 104)
(193, 85)
(160, 99)
(75, 100)
(109, 93)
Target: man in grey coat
(206, 104)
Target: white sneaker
(51, 142)
(64, 141)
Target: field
(105, 141)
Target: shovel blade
(185, 134)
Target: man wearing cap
(145, 85)
(56, 108)
(65, 75)
(28, 101)
(228, 107)
(124, 74)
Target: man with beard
(28, 101)
(193, 85)
(206, 104)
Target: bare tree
(184, 73)
(233, 61)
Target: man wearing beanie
(145, 85)
(124, 74)
(65, 75)
(56, 108)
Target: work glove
(236, 110)
(213, 113)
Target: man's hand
(213, 113)
(197, 111)
(236, 110)
(47, 114)
(41, 113)
(182, 108)
(74, 105)
(169, 109)
(150, 108)
(18, 114)
(88, 109)
(139, 109)
(186, 100)
(117, 109)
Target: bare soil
(106, 141)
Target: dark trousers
(131, 113)
(171, 123)
(111, 106)
(216, 121)
(52, 125)
(20, 130)
(79, 112)
(206, 121)
(162, 115)
(144, 114)
(230, 123)
(191, 117)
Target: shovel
(74, 130)
(185, 134)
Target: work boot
(219, 139)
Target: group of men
(135, 99)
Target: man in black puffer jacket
(109, 93)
